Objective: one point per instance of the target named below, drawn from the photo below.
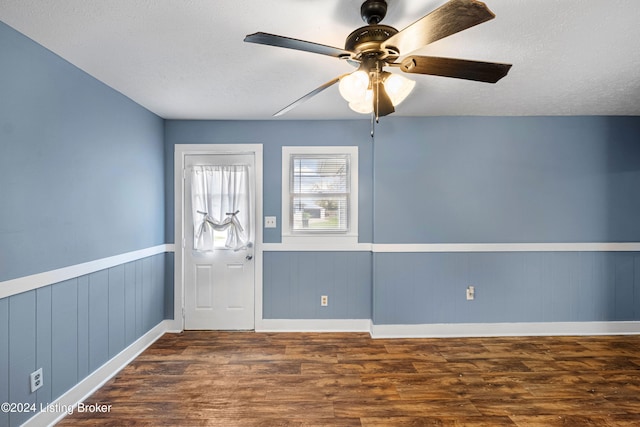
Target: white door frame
(180, 152)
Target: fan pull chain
(377, 93)
(373, 125)
(376, 99)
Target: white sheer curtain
(220, 201)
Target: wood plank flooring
(347, 379)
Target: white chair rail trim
(39, 280)
(454, 247)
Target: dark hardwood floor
(347, 379)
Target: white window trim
(351, 237)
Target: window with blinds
(320, 192)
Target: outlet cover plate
(36, 380)
(270, 222)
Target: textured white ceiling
(186, 58)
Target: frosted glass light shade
(365, 106)
(353, 87)
(398, 88)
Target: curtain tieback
(208, 221)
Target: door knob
(249, 257)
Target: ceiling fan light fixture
(376, 46)
(353, 87)
(398, 87)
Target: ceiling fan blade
(488, 72)
(309, 95)
(450, 18)
(289, 43)
(382, 104)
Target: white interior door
(218, 281)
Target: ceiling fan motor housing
(367, 40)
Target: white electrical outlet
(270, 222)
(471, 293)
(324, 300)
(36, 380)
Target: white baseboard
(314, 325)
(450, 330)
(66, 403)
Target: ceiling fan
(371, 89)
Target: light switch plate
(269, 222)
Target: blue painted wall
(498, 180)
(422, 288)
(303, 277)
(81, 165)
(81, 178)
(507, 179)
